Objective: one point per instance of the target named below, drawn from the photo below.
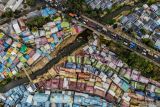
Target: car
(84, 22)
(156, 56)
(104, 29)
(125, 43)
(144, 53)
(144, 50)
(99, 30)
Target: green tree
(109, 21)
(148, 42)
(8, 13)
(143, 31)
(38, 22)
(150, 2)
(31, 2)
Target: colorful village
(15, 51)
(57, 56)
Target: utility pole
(27, 74)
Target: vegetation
(148, 42)
(143, 31)
(4, 82)
(31, 2)
(150, 2)
(8, 13)
(38, 22)
(74, 5)
(147, 68)
(109, 21)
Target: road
(81, 40)
(140, 49)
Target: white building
(13, 4)
(16, 27)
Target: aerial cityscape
(79, 53)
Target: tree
(114, 26)
(24, 6)
(148, 42)
(143, 31)
(17, 13)
(38, 22)
(8, 13)
(31, 2)
(109, 21)
(150, 2)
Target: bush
(110, 21)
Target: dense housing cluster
(94, 71)
(22, 47)
(63, 57)
(145, 22)
(103, 4)
(23, 96)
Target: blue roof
(59, 26)
(44, 13)
(40, 97)
(47, 104)
(48, 11)
(140, 93)
(70, 65)
(56, 40)
(78, 99)
(76, 105)
(1, 68)
(58, 98)
(125, 86)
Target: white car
(84, 22)
(125, 43)
(144, 53)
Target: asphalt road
(81, 40)
(140, 49)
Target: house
(16, 27)
(47, 11)
(138, 85)
(40, 97)
(60, 98)
(157, 44)
(1, 9)
(30, 99)
(154, 7)
(31, 88)
(22, 25)
(150, 88)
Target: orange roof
(72, 14)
